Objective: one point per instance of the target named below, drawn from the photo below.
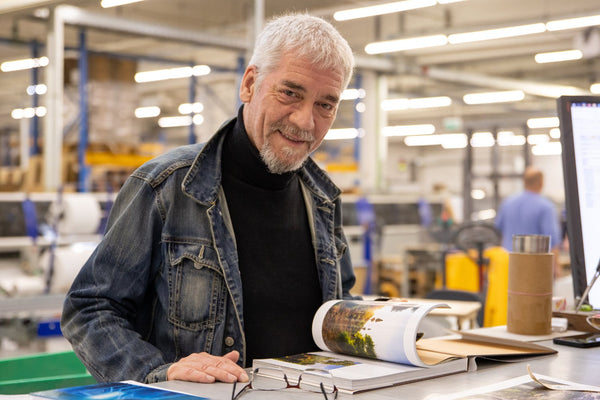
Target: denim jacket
(164, 282)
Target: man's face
(290, 113)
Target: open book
(114, 391)
(372, 344)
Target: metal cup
(531, 244)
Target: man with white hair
(219, 253)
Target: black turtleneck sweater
(281, 290)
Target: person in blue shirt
(529, 213)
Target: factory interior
(449, 103)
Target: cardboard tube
(529, 304)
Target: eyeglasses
(272, 379)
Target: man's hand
(206, 368)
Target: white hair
(309, 37)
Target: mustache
(292, 131)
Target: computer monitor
(580, 138)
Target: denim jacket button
(229, 341)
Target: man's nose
(303, 117)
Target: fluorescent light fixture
(380, 9)
(200, 70)
(406, 44)
(547, 149)
(595, 88)
(27, 63)
(554, 133)
(171, 73)
(482, 215)
(494, 97)
(547, 122)
(407, 104)
(339, 134)
(482, 139)
(37, 89)
(115, 3)
(573, 23)
(508, 138)
(353, 94)
(454, 141)
(188, 108)
(173, 122)
(446, 140)
(29, 112)
(498, 33)
(147, 112)
(197, 119)
(406, 130)
(558, 56)
(184, 120)
(426, 140)
(478, 194)
(538, 138)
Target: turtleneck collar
(242, 160)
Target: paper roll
(68, 260)
(529, 294)
(80, 214)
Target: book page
(374, 329)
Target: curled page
(383, 330)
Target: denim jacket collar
(203, 180)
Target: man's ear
(248, 84)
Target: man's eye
(326, 106)
(289, 93)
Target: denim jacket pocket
(197, 291)
(340, 248)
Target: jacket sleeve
(109, 291)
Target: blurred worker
(529, 213)
(219, 253)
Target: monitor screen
(580, 138)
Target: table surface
(573, 364)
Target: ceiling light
(508, 138)
(188, 108)
(115, 3)
(573, 23)
(426, 140)
(498, 33)
(494, 97)
(197, 119)
(538, 138)
(171, 73)
(28, 63)
(554, 133)
(173, 122)
(345, 133)
(37, 89)
(147, 112)
(29, 112)
(405, 130)
(388, 8)
(595, 88)
(547, 149)
(424, 102)
(406, 44)
(547, 122)
(447, 140)
(353, 94)
(482, 139)
(558, 56)
(478, 194)
(454, 141)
